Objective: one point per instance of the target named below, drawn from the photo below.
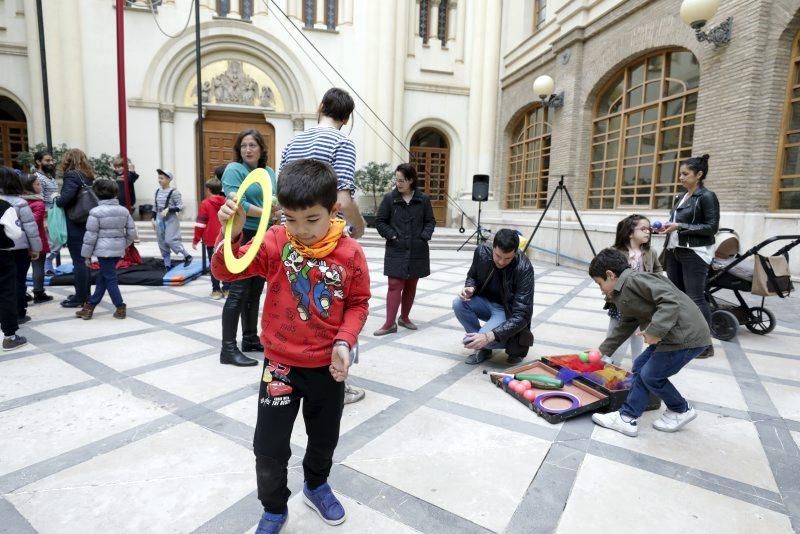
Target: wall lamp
(696, 13)
(543, 87)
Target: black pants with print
(278, 404)
(8, 293)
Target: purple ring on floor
(561, 394)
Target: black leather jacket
(698, 218)
(517, 288)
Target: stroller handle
(795, 240)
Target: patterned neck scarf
(324, 246)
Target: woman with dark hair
(77, 172)
(405, 220)
(693, 223)
(249, 153)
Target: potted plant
(373, 179)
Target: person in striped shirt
(326, 142)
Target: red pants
(400, 292)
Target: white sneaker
(673, 421)
(614, 421)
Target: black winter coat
(69, 194)
(132, 177)
(517, 284)
(407, 228)
(698, 218)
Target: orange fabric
(324, 246)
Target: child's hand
(164, 213)
(650, 340)
(340, 362)
(34, 255)
(194, 246)
(228, 210)
(88, 262)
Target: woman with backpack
(77, 199)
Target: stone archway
(13, 132)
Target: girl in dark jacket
(693, 223)
(405, 220)
(77, 173)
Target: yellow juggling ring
(236, 265)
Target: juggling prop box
(614, 382)
(553, 405)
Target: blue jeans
(477, 309)
(651, 372)
(107, 280)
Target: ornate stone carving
(166, 115)
(234, 86)
(267, 98)
(298, 124)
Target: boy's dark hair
(337, 104)
(698, 164)
(506, 240)
(625, 230)
(39, 155)
(608, 259)
(237, 146)
(304, 183)
(219, 171)
(10, 183)
(409, 173)
(26, 180)
(105, 189)
(214, 186)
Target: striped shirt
(49, 188)
(175, 200)
(327, 144)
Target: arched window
(787, 176)
(643, 127)
(529, 161)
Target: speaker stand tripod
(479, 230)
(561, 188)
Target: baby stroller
(734, 271)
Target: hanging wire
(188, 18)
(374, 113)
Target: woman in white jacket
(28, 245)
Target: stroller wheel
(724, 325)
(761, 321)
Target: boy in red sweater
(316, 306)
(206, 228)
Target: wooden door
(220, 130)
(433, 171)
(13, 140)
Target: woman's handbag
(84, 202)
(771, 276)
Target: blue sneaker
(272, 523)
(324, 502)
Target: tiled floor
(133, 426)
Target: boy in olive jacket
(673, 329)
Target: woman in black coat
(405, 220)
(693, 223)
(77, 173)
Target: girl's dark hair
(304, 183)
(608, 259)
(105, 189)
(625, 230)
(698, 164)
(10, 183)
(337, 104)
(26, 180)
(409, 173)
(237, 146)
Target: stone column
(166, 119)
(488, 98)
(476, 101)
(36, 126)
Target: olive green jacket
(652, 302)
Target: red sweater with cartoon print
(310, 303)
